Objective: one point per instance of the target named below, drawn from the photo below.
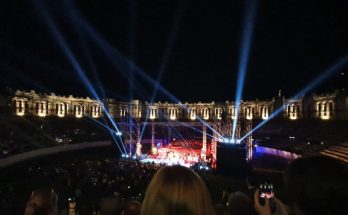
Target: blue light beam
(121, 62)
(168, 50)
(72, 59)
(113, 133)
(317, 81)
(248, 29)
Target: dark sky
(196, 43)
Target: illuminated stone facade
(218, 116)
(44, 105)
(325, 107)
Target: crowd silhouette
(315, 185)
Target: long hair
(42, 202)
(177, 190)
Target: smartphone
(266, 190)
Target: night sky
(196, 45)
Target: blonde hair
(177, 190)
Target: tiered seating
(338, 152)
(18, 135)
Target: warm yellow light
(325, 117)
(78, 115)
(20, 113)
(218, 112)
(42, 114)
(61, 114)
(153, 113)
(205, 113)
(154, 150)
(95, 114)
(192, 114)
(138, 149)
(293, 116)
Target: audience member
(177, 190)
(240, 204)
(111, 206)
(220, 209)
(318, 186)
(265, 209)
(225, 195)
(132, 208)
(42, 202)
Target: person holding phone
(269, 199)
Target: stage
(172, 155)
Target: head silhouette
(42, 202)
(318, 185)
(177, 190)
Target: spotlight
(229, 140)
(248, 29)
(118, 133)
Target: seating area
(18, 135)
(86, 184)
(303, 137)
(339, 152)
(85, 181)
(90, 182)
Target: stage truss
(132, 128)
